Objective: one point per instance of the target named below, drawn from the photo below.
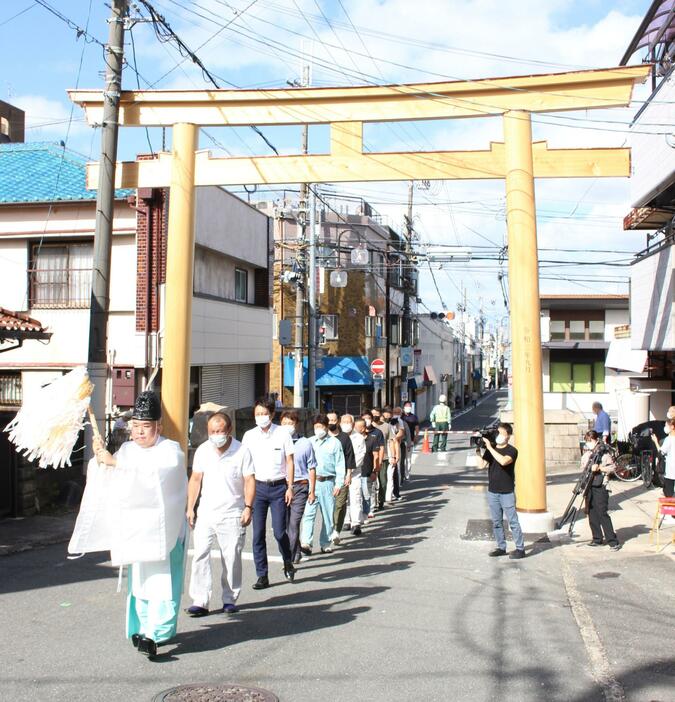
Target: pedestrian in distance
(603, 423)
(500, 460)
(272, 451)
(355, 517)
(369, 468)
(387, 433)
(378, 438)
(398, 429)
(330, 477)
(342, 498)
(223, 480)
(440, 423)
(413, 423)
(598, 495)
(134, 506)
(304, 483)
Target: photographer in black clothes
(598, 495)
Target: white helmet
(442, 398)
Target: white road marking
(597, 656)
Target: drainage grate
(481, 530)
(206, 692)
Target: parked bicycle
(638, 458)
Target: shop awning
(336, 371)
(430, 375)
(622, 357)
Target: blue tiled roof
(43, 172)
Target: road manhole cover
(205, 692)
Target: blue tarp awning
(337, 370)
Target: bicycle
(641, 460)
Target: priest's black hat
(147, 407)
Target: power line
(18, 14)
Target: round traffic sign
(377, 366)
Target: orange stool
(665, 506)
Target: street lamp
(359, 256)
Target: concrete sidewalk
(26, 533)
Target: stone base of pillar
(536, 522)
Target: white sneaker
(335, 538)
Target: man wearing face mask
(413, 423)
(272, 451)
(598, 495)
(372, 430)
(667, 449)
(330, 477)
(405, 445)
(354, 517)
(222, 471)
(397, 432)
(304, 484)
(387, 437)
(134, 506)
(500, 460)
(350, 464)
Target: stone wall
(563, 429)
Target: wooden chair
(665, 506)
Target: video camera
(477, 440)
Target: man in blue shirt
(603, 424)
(330, 477)
(304, 483)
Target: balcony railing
(10, 390)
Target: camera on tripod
(478, 439)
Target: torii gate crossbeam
(517, 161)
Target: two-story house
(47, 220)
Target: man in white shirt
(222, 471)
(355, 515)
(271, 449)
(667, 448)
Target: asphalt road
(411, 610)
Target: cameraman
(500, 460)
(598, 496)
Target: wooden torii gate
(517, 160)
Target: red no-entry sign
(377, 366)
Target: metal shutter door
(230, 380)
(246, 385)
(210, 386)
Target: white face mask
(290, 428)
(590, 445)
(263, 420)
(407, 410)
(500, 440)
(319, 433)
(218, 440)
(347, 428)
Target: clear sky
(264, 43)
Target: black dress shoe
(497, 552)
(289, 571)
(147, 647)
(518, 553)
(135, 638)
(261, 583)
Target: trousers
(340, 511)
(382, 483)
(157, 619)
(355, 515)
(294, 517)
(230, 536)
(269, 498)
(598, 516)
(325, 501)
(440, 436)
(501, 504)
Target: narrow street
(411, 610)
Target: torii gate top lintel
(593, 89)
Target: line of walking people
(348, 469)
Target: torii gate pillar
(528, 405)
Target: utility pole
(499, 329)
(300, 291)
(311, 304)
(462, 347)
(97, 362)
(407, 322)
